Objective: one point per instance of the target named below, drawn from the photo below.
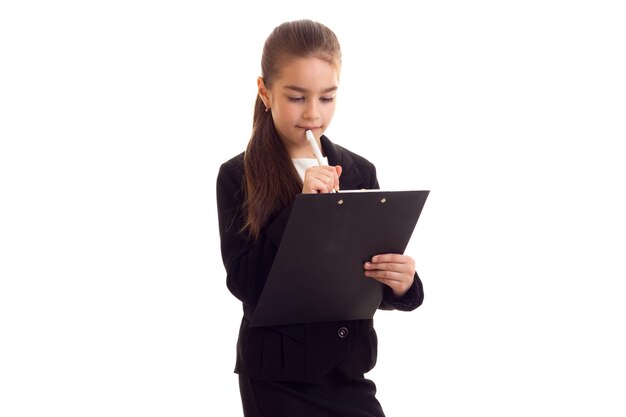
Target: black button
(343, 332)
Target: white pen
(316, 151)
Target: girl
(310, 369)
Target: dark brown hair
(271, 180)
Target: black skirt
(333, 396)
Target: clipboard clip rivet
(340, 202)
(383, 200)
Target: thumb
(339, 170)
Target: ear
(263, 92)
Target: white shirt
(302, 164)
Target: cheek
(329, 111)
(288, 113)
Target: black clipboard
(318, 273)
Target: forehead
(309, 73)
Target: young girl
(315, 369)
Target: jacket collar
(351, 176)
(333, 152)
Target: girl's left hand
(392, 269)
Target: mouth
(305, 128)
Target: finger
(388, 275)
(389, 266)
(312, 185)
(385, 275)
(333, 175)
(399, 288)
(325, 168)
(328, 181)
(318, 180)
(325, 174)
(392, 257)
(320, 185)
(338, 170)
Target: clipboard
(318, 273)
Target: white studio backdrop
(115, 117)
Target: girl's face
(302, 97)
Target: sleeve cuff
(410, 300)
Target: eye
(295, 99)
(327, 99)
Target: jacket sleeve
(247, 261)
(412, 299)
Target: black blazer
(296, 352)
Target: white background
(115, 116)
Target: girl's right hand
(321, 179)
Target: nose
(311, 112)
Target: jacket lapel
(351, 176)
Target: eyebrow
(304, 90)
